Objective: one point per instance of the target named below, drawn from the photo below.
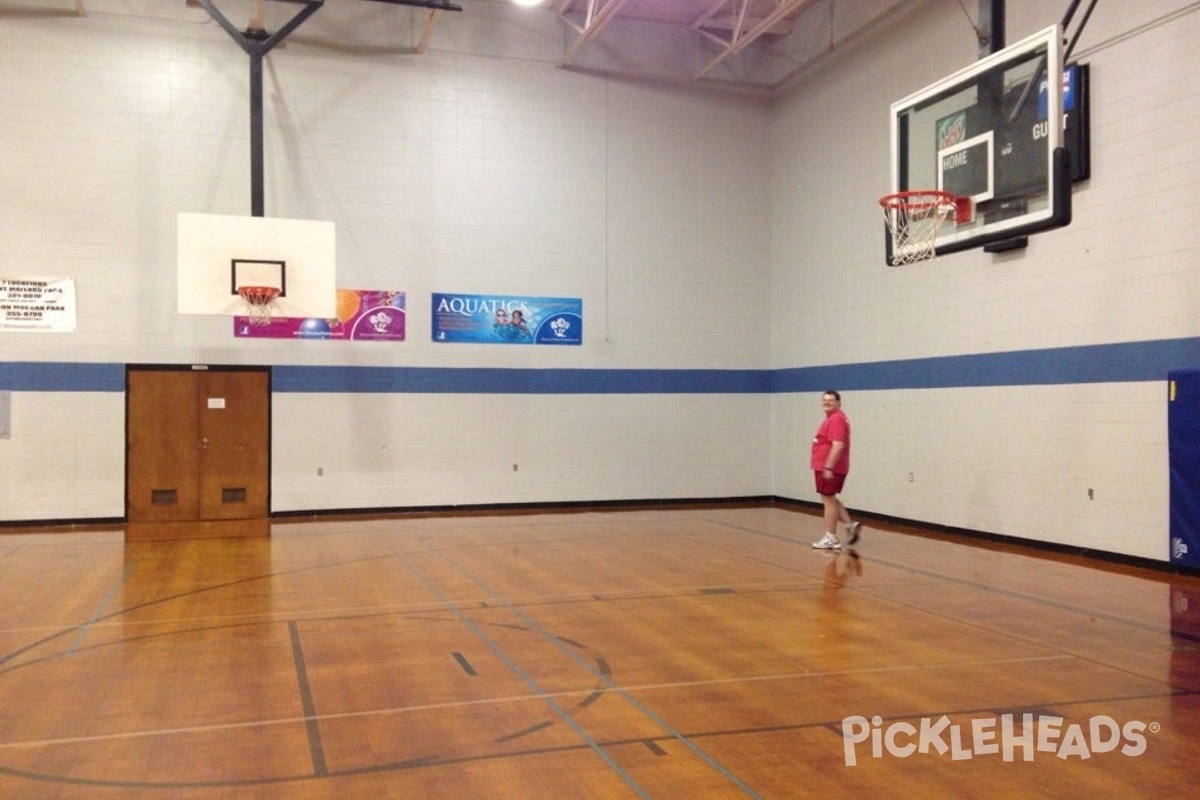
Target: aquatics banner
(362, 315)
(506, 319)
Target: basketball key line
(520, 698)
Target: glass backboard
(985, 132)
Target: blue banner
(505, 319)
(1183, 446)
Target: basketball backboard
(985, 132)
(217, 253)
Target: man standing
(830, 465)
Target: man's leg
(838, 513)
(853, 529)
(833, 511)
(829, 540)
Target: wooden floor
(667, 654)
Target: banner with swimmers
(362, 315)
(506, 319)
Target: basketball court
(696, 652)
(203, 648)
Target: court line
(963, 581)
(528, 680)
(5, 658)
(403, 608)
(645, 687)
(464, 663)
(105, 603)
(315, 748)
(705, 734)
(406, 610)
(607, 681)
(833, 726)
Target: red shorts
(829, 486)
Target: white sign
(37, 304)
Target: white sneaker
(827, 542)
(852, 531)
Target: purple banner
(362, 315)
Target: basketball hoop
(914, 219)
(259, 300)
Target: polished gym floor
(672, 653)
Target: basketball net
(259, 300)
(914, 219)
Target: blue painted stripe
(51, 376)
(1107, 363)
(487, 380)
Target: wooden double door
(197, 443)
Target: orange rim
(918, 198)
(258, 295)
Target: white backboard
(217, 252)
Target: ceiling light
(528, 3)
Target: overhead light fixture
(528, 3)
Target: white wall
(1010, 460)
(382, 451)
(478, 166)
(702, 231)
(60, 463)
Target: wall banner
(1183, 463)
(44, 305)
(506, 319)
(362, 315)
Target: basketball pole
(991, 27)
(256, 42)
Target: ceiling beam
(741, 38)
(431, 19)
(436, 5)
(598, 15)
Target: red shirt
(834, 428)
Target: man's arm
(835, 454)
